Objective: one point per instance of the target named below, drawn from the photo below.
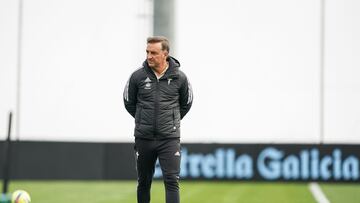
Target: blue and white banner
(279, 162)
(239, 162)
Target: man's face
(155, 56)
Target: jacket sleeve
(186, 97)
(130, 96)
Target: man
(158, 95)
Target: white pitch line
(318, 193)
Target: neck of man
(160, 69)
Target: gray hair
(165, 45)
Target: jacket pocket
(176, 120)
(138, 115)
(173, 114)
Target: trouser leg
(169, 158)
(145, 165)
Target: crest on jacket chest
(147, 82)
(169, 80)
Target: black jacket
(158, 105)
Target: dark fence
(250, 162)
(69, 160)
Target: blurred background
(283, 73)
(262, 71)
(276, 97)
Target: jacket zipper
(156, 108)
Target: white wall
(254, 67)
(77, 57)
(255, 70)
(8, 62)
(342, 73)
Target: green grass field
(191, 192)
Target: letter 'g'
(269, 163)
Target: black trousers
(168, 153)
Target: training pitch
(191, 192)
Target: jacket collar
(171, 72)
